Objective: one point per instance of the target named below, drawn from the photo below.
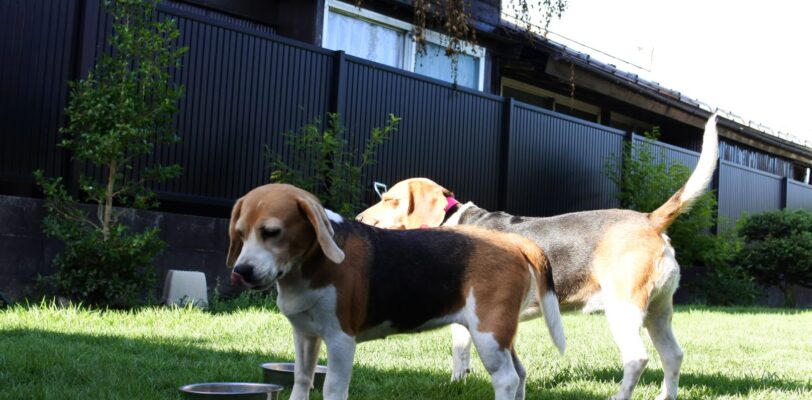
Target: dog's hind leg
(522, 375)
(658, 323)
(461, 352)
(499, 363)
(625, 321)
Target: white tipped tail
(552, 317)
(697, 183)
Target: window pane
(437, 65)
(365, 39)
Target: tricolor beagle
(620, 261)
(344, 282)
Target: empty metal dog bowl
(282, 374)
(231, 391)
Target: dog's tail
(697, 183)
(546, 290)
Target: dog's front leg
(307, 354)
(340, 354)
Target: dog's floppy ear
(235, 244)
(427, 205)
(321, 224)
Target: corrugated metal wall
(556, 163)
(448, 135)
(36, 62)
(799, 195)
(746, 190)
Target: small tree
(325, 165)
(778, 249)
(116, 118)
(645, 184)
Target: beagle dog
(344, 282)
(620, 261)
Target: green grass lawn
(52, 353)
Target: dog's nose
(243, 274)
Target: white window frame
(410, 47)
(557, 98)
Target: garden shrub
(115, 119)
(324, 164)
(778, 249)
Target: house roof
(731, 121)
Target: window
(365, 39)
(376, 37)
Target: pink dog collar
(451, 203)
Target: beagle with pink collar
(620, 261)
(344, 282)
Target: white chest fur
(310, 311)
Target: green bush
(115, 119)
(324, 164)
(729, 286)
(115, 272)
(645, 184)
(778, 249)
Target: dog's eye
(392, 202)
(270, 233)
(240, 234)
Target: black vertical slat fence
(799, 196)
(245, 87)
(556, 163)
(746, 190)
(448, 135)
(669, 154)
(37, 57)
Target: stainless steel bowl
(231, 391)
(282, 374)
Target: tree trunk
(108, 200)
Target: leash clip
(378, 186)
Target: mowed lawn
(56, 353)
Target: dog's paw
(460, 376)
(665, 396)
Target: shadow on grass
(42, 364)
(743, 310)
(713, 385)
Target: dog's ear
(321, 224)
(427, 205)
(235, 244)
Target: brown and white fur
(620, 261)
(344, 282)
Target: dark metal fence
(38, 41)
(556, 163)
(799, 195)
(747, 190)
(246, 86)
(667, 153)
(448, 134)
